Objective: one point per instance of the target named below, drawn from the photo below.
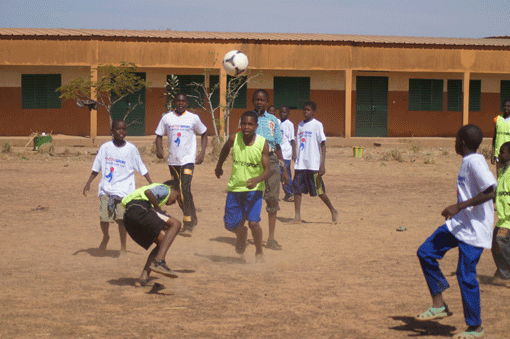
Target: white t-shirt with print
(473, 225)
(309, 137)
(117, 166)
(182, 141)
(287, 128)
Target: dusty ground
(357, 279)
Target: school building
(363, 85)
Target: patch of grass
(394, 155)
(415, 148)
(429, 160)
(46, 148)
(6, 148)
(444, 152)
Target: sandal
(434, 313)
(469, 335)
(273, 245)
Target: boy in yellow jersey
(501, 133)
(146, 223)
(501, 235)
(250, 168)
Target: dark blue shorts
(308, 182)
(241, 205)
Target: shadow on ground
(422, 328)
(219, 258)
(96, 252)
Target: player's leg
(164, 240)
(234, 221)
(253, 208)
(501, 254)
(287, 188)
(271, 195)
(119, 214)
(320, 190)
(105, 226)
(188, 205)
(104, 221)
(299, 186)
(469, 286)
(433, 249)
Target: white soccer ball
(235, 63)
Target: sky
(424, 18)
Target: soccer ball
(235, 63)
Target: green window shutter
(186, 88)
(425, 95)
(414, 94)
(437, 95)
(291, 91)
(54, 82)
(454, 96)
(242, 96)
(39, 90)
(475, 95)
(214, 80)
(27, 91)
(504, 93)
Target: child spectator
(250, 168)
(501, 235)
(468, 226)
(117, 160)
(310, 163)
(147, 223)
(182, 126)
(288, 146)
(501, 133)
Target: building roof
(288, 37)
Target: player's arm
(159, 147)
(478, 199)
(294, 153)
(322, 168)
(201, 155)
(148, 177)
(252, 182)
(86, 189)
(225, 150)
(493, 157)
(152, 200)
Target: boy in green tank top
(501, 133)
(501, 236)
(250, 168)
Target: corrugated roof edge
(502, 41)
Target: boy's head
(260, 100)
(271, 109)
(119, 130)
(504, 153)
(309, 109)
(506, 107)
(174, 191)
(284, 113)
(249, 123)
(180, 103)
(470, 137)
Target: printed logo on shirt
(272, 127)
(109, 176)
(243, 163)
(178, 140)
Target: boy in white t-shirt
(288, 147)
(310, 163)
(117, 161)
(182, 127)
(468, 226)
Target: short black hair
(312, 105)
(505, 145)
(250, 114)
(285, 106)
(172, 183)
(117, 121)
(181, 93)
(260, 90)
(471, 135)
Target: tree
(204, 98)
(112, 85)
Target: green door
(136, 118)
(371, 106)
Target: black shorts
(143, 223)
(308, 182)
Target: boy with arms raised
(147, 223)
(468, 226)
(310, 163)
(182, 126)
(250, 168)
(117, 161)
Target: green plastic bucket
(41, 140)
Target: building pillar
(348, 102)
(223, 102)
(93, 112)
(465, 97)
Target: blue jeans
(434, 248)
(287, 188)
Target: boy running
(310, 163)
(182, 126)
(250, 168)
(117, 161)
(468, 226)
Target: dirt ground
(357, 279)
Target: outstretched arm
(478, 199)
(86, 189)
(252, 182)
(201, 155)
(225, 150)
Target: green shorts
(105, 215)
